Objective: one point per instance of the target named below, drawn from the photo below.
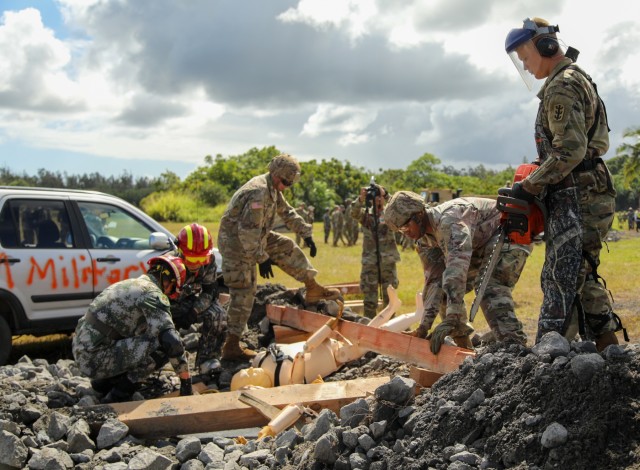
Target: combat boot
(316, 292)
(122, 390)
(231, 350)
(606, 339)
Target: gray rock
(378, 429)
(553, 344)
(149, 460)
(350, 436)
(475, 399)
(13, 452)
(398, 390)
(358, 461)
(193, 464)
(554, 436)
(325, 421)
(326, 449)
(288, 439)
(354, 413)
(366, 442)
(111, 432)
(58, 425)
(79, 437)
(211, 453)
(585, 366)
(9, 426)
(49, 458)
(188, 448)
(466, 457)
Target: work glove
(265, 269)
(186, 389)
(312, 246)
(445, 328)
(518, 192)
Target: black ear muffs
(547, 46)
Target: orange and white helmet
(195, 245)
(171, 268)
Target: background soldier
(379, 250)
(337, 225)
(326, 220)
(246, 238)
(464, 231)
(127, 332)
(198, 300)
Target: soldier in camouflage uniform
(461, 233)
(337, 225)
(246, 238)
(378, 258)
(349, 221)
(304, 213)
(571, 134)
(326, 220)
(127, 332)
(198, 299)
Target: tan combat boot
(316, 292)
(231, 350)
(606, 339)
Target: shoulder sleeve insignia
(558, 112)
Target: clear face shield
(523, 57)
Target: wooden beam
(224, 411)
(404, 347)
(424, 377)
(288, 335)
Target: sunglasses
(286, 182)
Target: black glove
(265, 269)
(186, 389)
(518, 192)
(312, 246)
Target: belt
(569, 181)
(102, 327)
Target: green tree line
(203, 194)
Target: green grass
(620, 267)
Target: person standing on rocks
(246, 238)
(461, 234)
(572, 135)
(198, 299)
(379, 251)
(127, 332)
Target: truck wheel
(5, 341)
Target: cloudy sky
(146, 86)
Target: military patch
(558, 112)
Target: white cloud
(337, 119)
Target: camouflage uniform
(465, 230)
(326, 220)
(389, 256)
(246, 238)
(304, 213)
(337, 225)
(571, 136)
(120, 332)
(198, 302)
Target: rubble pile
(556, 405)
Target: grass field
(620, 267)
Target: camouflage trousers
(240, 276)
(370, 287)
(338, 236)
(106, 358)
(213, 330)
(497, 302)
(577, 222)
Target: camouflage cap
(285, 166)
(401, 207)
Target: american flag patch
(256, 205)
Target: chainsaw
(520, 222)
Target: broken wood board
(288, 335)
(423, 377)
(224, 411)
(400, 346)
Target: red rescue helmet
(171, 268)
(195, 244)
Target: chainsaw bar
(487, 272)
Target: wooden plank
(404, 347)
(423, 377)
(224, 411)
(287, 335)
